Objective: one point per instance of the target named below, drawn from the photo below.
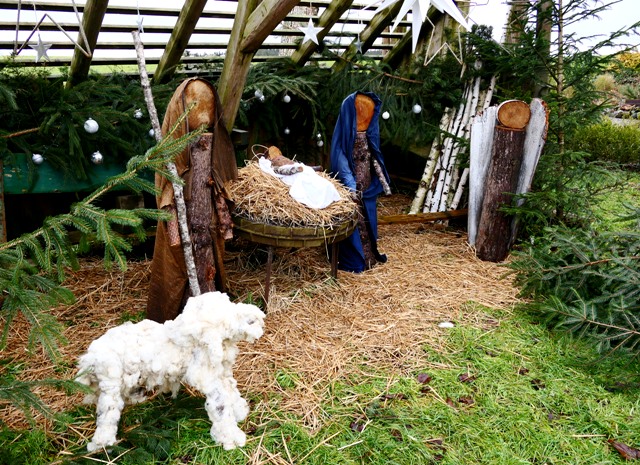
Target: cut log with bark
(200, 211)
(514, 114)
(494, 229)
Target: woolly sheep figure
(198, 348)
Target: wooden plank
(326, 21)
(94, 11)
(481, 144)
(262, 21)
(191, 12)
(422, 217)
(378, 23)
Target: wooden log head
(202, 94)
(514, 114)
(365, 108)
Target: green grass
(614, 206)
(529, 397)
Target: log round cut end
(514, 114)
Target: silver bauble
(318, 136)
(91, 126)
(287, 131)
(385, 115)
(320, 143)
(97, 158)
(286, 98)
(258, 93)
(37, 159)
(137, 114)
(152, 133)
(416, 109)
(261, 98)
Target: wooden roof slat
(262, 21)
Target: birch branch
(177, 188)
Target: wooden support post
(189, 15)
(370, 33)
(92, 17)
(251, 26)
(200, 211)
(329, 17)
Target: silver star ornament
(41, 49)
(310, 32)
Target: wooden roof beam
(378, 23)
(328, 18)
(92, 17)
(253, 24)
(189, 15)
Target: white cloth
(307, 186)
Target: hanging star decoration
(419, 10)
(41, 50)
(139, 19)
(310, 32)
(358, 44)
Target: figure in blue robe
(357, 162)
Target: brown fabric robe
(169, 287)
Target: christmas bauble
(320, 143)
(152, 133)
(261, 98)
(286, 98)
(258, 93)
(287, 131)
(37, 158)
(318, 136)
(416, 109)
(91, 126)
(385, 115)
(137, 114)
(96, 158)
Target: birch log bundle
(505, 146)
(442, 184)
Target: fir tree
(33, 266)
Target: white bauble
(37, 159)
(318, 136)
(286, 98)
(137, 114)
(320, 143)
(91, 126)
(385, 115)
(152, 133)
(261, 98)
(287, 131)
(416, 109)
(258, 93)
(97, 158)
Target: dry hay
(318, 331)
(262, 198)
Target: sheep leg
(220, 408)
(109, 408)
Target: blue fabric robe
(351, 256)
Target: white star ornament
(310, 32)
(41, 49)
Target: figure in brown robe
(169, 287)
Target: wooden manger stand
(294, 237)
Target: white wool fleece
(198, 348)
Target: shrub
(608, 142)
